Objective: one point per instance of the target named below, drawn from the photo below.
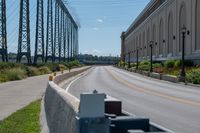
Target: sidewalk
(17, 94)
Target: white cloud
(100, 20)
(95, 28)
(95, 51)
(85, 52)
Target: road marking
(70, 84)
(151, 92)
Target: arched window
(170, 34)
(197, 46)
(182, 21)
(154, 40)
(160, 44)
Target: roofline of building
(145, 10)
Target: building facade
(161, 23)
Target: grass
(15, 71)
(12, 74)
(26, 120)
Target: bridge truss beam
(61, 36)
(39, 37)
(24, 32)
(57, 33)
(3, 31)
(49, 35)
(64, 33)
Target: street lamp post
(117, 59)
(151, 56)
(137, 54)
(137, 58)
(129, 60)
(145, 50)
(183, 54)
(124, 59)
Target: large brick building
(160, 23)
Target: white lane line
(70, 84)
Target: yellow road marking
(151, 92)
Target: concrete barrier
(170, 78)
(145, 73)
(156, 75)
(59, 108)
(60, 78)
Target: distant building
(161, 22)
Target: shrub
(133, 65)
(44, 70)
(75, 63)
(189, 63)
(69, 66)
(3, 78)
(14, 74)
(40, 64)
(157, 65)
(177, 63)
(32, 71)
(144, 67)
(193, 76)
(126, 64)
(61, 67)
(52, 66)
(144, 62)
(121, 64)
(8, 65)
(169, 64)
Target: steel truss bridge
(61, 43)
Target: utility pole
(24, 32)
(3, 31)
(39, 37)
(49, 35)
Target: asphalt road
(174, 106)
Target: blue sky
(102, 22)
